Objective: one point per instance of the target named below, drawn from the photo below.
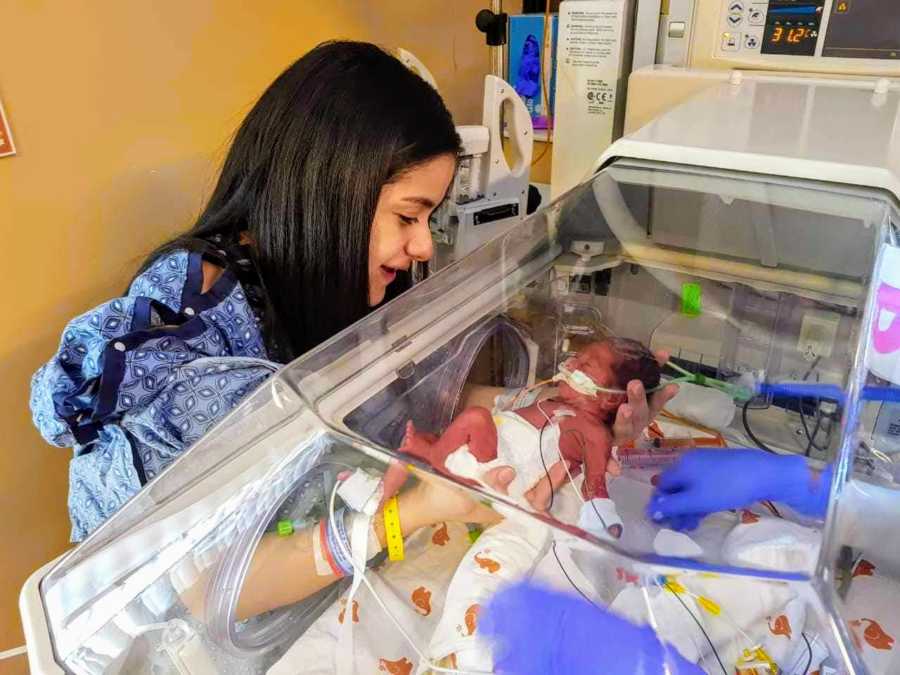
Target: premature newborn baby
(552, 439)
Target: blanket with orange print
(503, 554)
(872, 612)
(414, 591)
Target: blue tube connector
(831, 392)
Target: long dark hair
(303, 177)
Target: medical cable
(710, 606)
(771, 506)
(811, 437)
(812, 367)
(692, 425)
(756, 441)
(562, 459)
(565, 464)
(809, 648)
(654, 625)
(700, 626)
(576, 433)
(875, 452)
(527, 389)
(735, 391)
(362, 574)
(569, 579)
(649, 607)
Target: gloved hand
(535, 631)
(705, 481)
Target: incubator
(772, 287)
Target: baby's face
(597, 361)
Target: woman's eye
(408, 219)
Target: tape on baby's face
(582, 382)
(585, 385)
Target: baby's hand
(633, 416)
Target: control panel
(769, 30)
(743, 26)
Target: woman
(319, 213)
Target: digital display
(792, 27)
(863, 29)
(791, 36)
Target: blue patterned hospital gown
(140, 378)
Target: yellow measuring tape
(392, 532)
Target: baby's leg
(473, 427)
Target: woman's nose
(420, 247)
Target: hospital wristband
(393, 534)
(324, 561)
(373, 546)
(335, 541)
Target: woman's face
(400, 233)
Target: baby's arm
(591, 442)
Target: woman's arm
(283, 569)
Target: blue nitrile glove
(535, 631)
(705, 481)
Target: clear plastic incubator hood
(780, 295)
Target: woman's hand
(633, 416)
(440, 502)
(433, 501)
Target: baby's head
(610, 363)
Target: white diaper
(517, 446)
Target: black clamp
(493, 26)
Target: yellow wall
(121, 112)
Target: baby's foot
(415, 443)
(600, 518)
(539, 496)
